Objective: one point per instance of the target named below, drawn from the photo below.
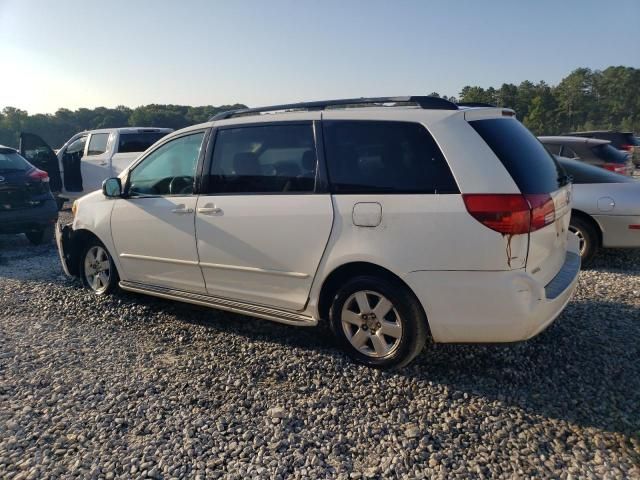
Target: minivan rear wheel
(98, 272)
(378, 322)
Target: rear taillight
(39, 175)
(628, 148)
(616, 167)
(505, 213)
(543, 210)
(511, 214)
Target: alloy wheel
(371, 324)
(97, 269)
(582, 242)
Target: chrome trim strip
(215, 265)
(254, 270)
(260, 311)
(158, 259)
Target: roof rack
(431, 103)
(476, 104)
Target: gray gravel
(131, 386)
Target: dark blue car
(26, 203)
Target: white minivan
(88, 158)
(405, 218)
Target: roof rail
(432, 103)
(476, 104)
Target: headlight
(74, 208)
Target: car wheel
(378, 322)
(98, 272)
(41, 236)
(587, 237)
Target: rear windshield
(584, 173)
(138, 142)
(609, 154)
(530, 165)
(11, 161)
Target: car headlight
(74, 208)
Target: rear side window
(384, 157)
(138, 142)
(609, 154)
(98, 143)
(264, 159)
(530, 165)
(553, 148)
(584, 173)
(11, 161)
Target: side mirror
(112, 187)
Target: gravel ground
(132, 386)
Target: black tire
(41, 236)
(405, 311)
(96, 262)
(587, 236)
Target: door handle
(180, 211)
(210, 210)
(103, 164)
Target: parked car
(391, 222)
(592, 151)
(26, 203)
(606, 208)
(621, 140)
(88, 158)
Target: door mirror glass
(112, 187)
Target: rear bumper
(616, 232)
(29, 219)
(493, 307)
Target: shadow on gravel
(584, 369)
(618, 260)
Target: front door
(153, 226)
(95, 166)
(261, 226)
(41, 156)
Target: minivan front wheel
(98, 270)
(378, 322)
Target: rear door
(543, 183)
(42, 156)
(262, 223)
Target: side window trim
(320, 184)
(198, 170)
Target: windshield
(138, 142)
(609, 154)
(11, 161)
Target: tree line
(583, 100)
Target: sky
(89, 53)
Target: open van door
(42, 156)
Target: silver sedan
(606, 208)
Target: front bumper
(29, 219)
(66, 246)
(493, 307)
